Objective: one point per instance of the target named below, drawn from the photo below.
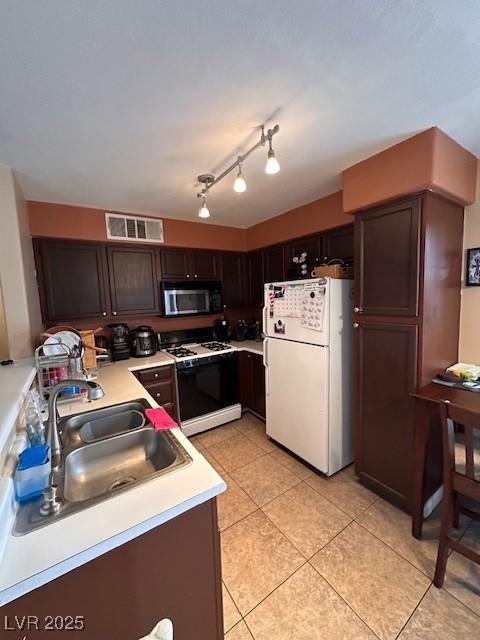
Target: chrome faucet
(94, 392)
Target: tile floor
(307, 558)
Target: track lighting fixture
(239, 186)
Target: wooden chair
(461, 477)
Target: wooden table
(427, 428)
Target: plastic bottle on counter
(34, 424)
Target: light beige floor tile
(305, 607)
(239, 632)
(214, 436)
(213, 461)
(256, 558)
(344, 490)
(248, 422)
(231, 614)
(233, 505)
(197, 444)
(462, 578)
(236, 452)
(380, 586)
(307, 519)
(264, 479)
(292, 464)
(394, 527)
(441, 617)
(258, 435)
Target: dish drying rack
(53, 369)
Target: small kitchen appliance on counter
(144, 342)
(221, 328)
(120, 341)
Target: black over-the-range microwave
(186, 298)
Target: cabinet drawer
(171, 409)
(161, 392)
(155, 374)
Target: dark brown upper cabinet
(255, 267)
(233, 279)
(387, 265)
(175, 264)
(185, 264)
(71, 277)
(133, 280)
(203, 265)
(338, 244)
(274, 263)
(312, 246)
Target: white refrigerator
(307, 356)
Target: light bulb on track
(204, 212)
(272, 165)
(239, 185)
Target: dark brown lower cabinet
(160, 384)
(386, 355)
(252, 383)
(171, 572)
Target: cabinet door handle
(155, 375)
(157, 395)
(355, 325)
(357, 310)
(188, 275)
(114, 313)
(104, 313)
(195, 276)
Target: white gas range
(207, 379)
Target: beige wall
(4, 349)
(17, 271)
(469, 346)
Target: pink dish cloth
(160, 419)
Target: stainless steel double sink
(105, 451)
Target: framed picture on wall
(473, 268)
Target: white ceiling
(121, 103)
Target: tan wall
(17, 273)
(4, 348)
(319, 215)
(469, 344)
(429, 160)
(82, 223)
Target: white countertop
(249, 345)
(15, 381)
(41, 556)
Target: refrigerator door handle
(264, 319)
(265, 363)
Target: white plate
(56, 345)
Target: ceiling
(119, 104)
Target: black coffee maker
(120, 341)
(222, 329)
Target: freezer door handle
(264, 319)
